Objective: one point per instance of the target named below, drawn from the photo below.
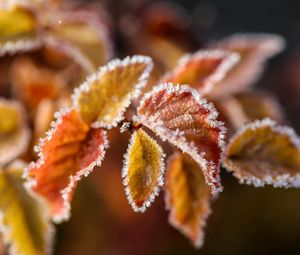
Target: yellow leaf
(14, 132)
(143, 170)
(25, 218)
(264, 153)
(104, 97)
(187, 197)
(17, 31)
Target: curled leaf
(187, 197)
(104, 97)
(14, 132)
(25, 220)
(17, 31)
(69, 151)
(82, 35)
(143, 170)
(203, 69)
(179, 114)
(263, 153)
(254, 50)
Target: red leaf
(202, 69)
(178, 114)
(69, 151)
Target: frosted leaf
(17, 31)
(202, 69)
(143, 170)
(103, 98)
(70, 150)
(24, 217)
(263, 153)
(179, 114)
(187, 197)
(254, 50)
(14, 131)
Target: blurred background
(245, 220)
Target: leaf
(263, 153)
(32, 84)
(187, 197)
(179, 115)
(17, 31)
(202, 69)
(104, 97)
(143, 170)
(249, 106)
(14, 132)
(69, 151)
(83, 36)
(25, 221)
(254, 50)
(260, 104)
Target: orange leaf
(69, 151)
(263, 153)
(179, 114)
(32, 84)
(202, 69)
(143, 170)
(254, 50)
(187, 197)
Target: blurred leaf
(69, 151)
(83, 36)
(254, 50)
(249, 106)
(14, 132)
(264, 153)
(187, 197)
(104, 97)
(202, 69)
(32, 84)
(143, 170)
(25, 221)
(178, 114)
(259, 104)
(17, 31)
